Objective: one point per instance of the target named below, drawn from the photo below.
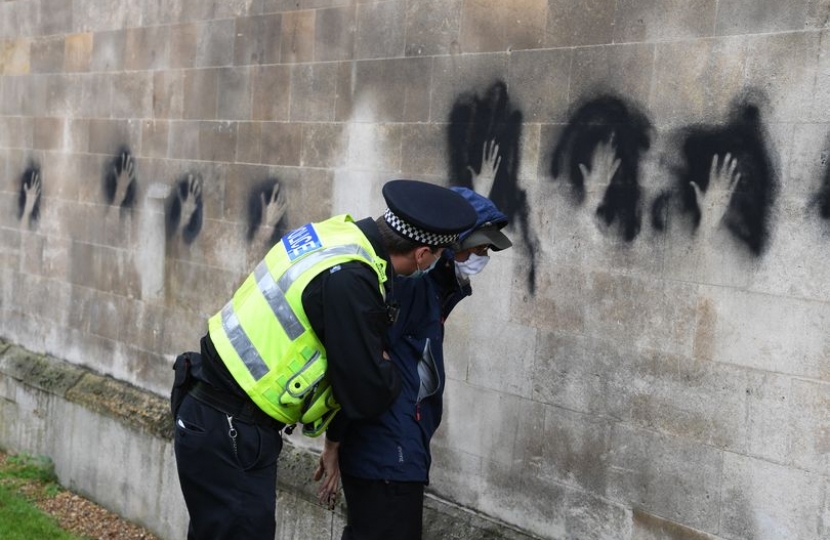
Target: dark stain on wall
(185, 208)
(747, 215)
(476, 121)
(267, 207)
(119, 180)
(660, 209)
(823, 198)
(607, 119)
(28, 201)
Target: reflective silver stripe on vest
(274, 293)
(241, 343)
(294, 271)
(276, 299)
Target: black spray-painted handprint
(755, 184)
(185, 208)
(611, 121)
(29, 197)
(119, 180)
(483, 139)
(714, 205)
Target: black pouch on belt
(183, 380)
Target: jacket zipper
(434, 369)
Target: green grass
(22, 520)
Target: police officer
(301, 339)
(385, 461)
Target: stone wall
(651, 359)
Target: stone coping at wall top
(132, 406)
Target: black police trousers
(228, 473)
(381, 510)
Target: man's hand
(329, 472)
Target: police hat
(425, 213)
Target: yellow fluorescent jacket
(263, 334)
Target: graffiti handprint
(597, 176)
(185, 213)
(119, 181)
(30, 196)
(485, 177)
(190, 198)
(267, 206)
(749, 196)
(714, 204)
(492, 126)
(124, 179)
(604, 164)
(274, 208)
(603, 131)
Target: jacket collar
(370, 230)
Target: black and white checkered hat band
(420, 236)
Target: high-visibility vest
(263, 334)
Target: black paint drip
(474, 121)
(823, 197)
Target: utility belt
(241, 409)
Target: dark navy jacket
(395, 446)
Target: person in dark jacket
(385, 461)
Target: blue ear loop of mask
(421, 273)
(431, 266)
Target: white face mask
(473, 265)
